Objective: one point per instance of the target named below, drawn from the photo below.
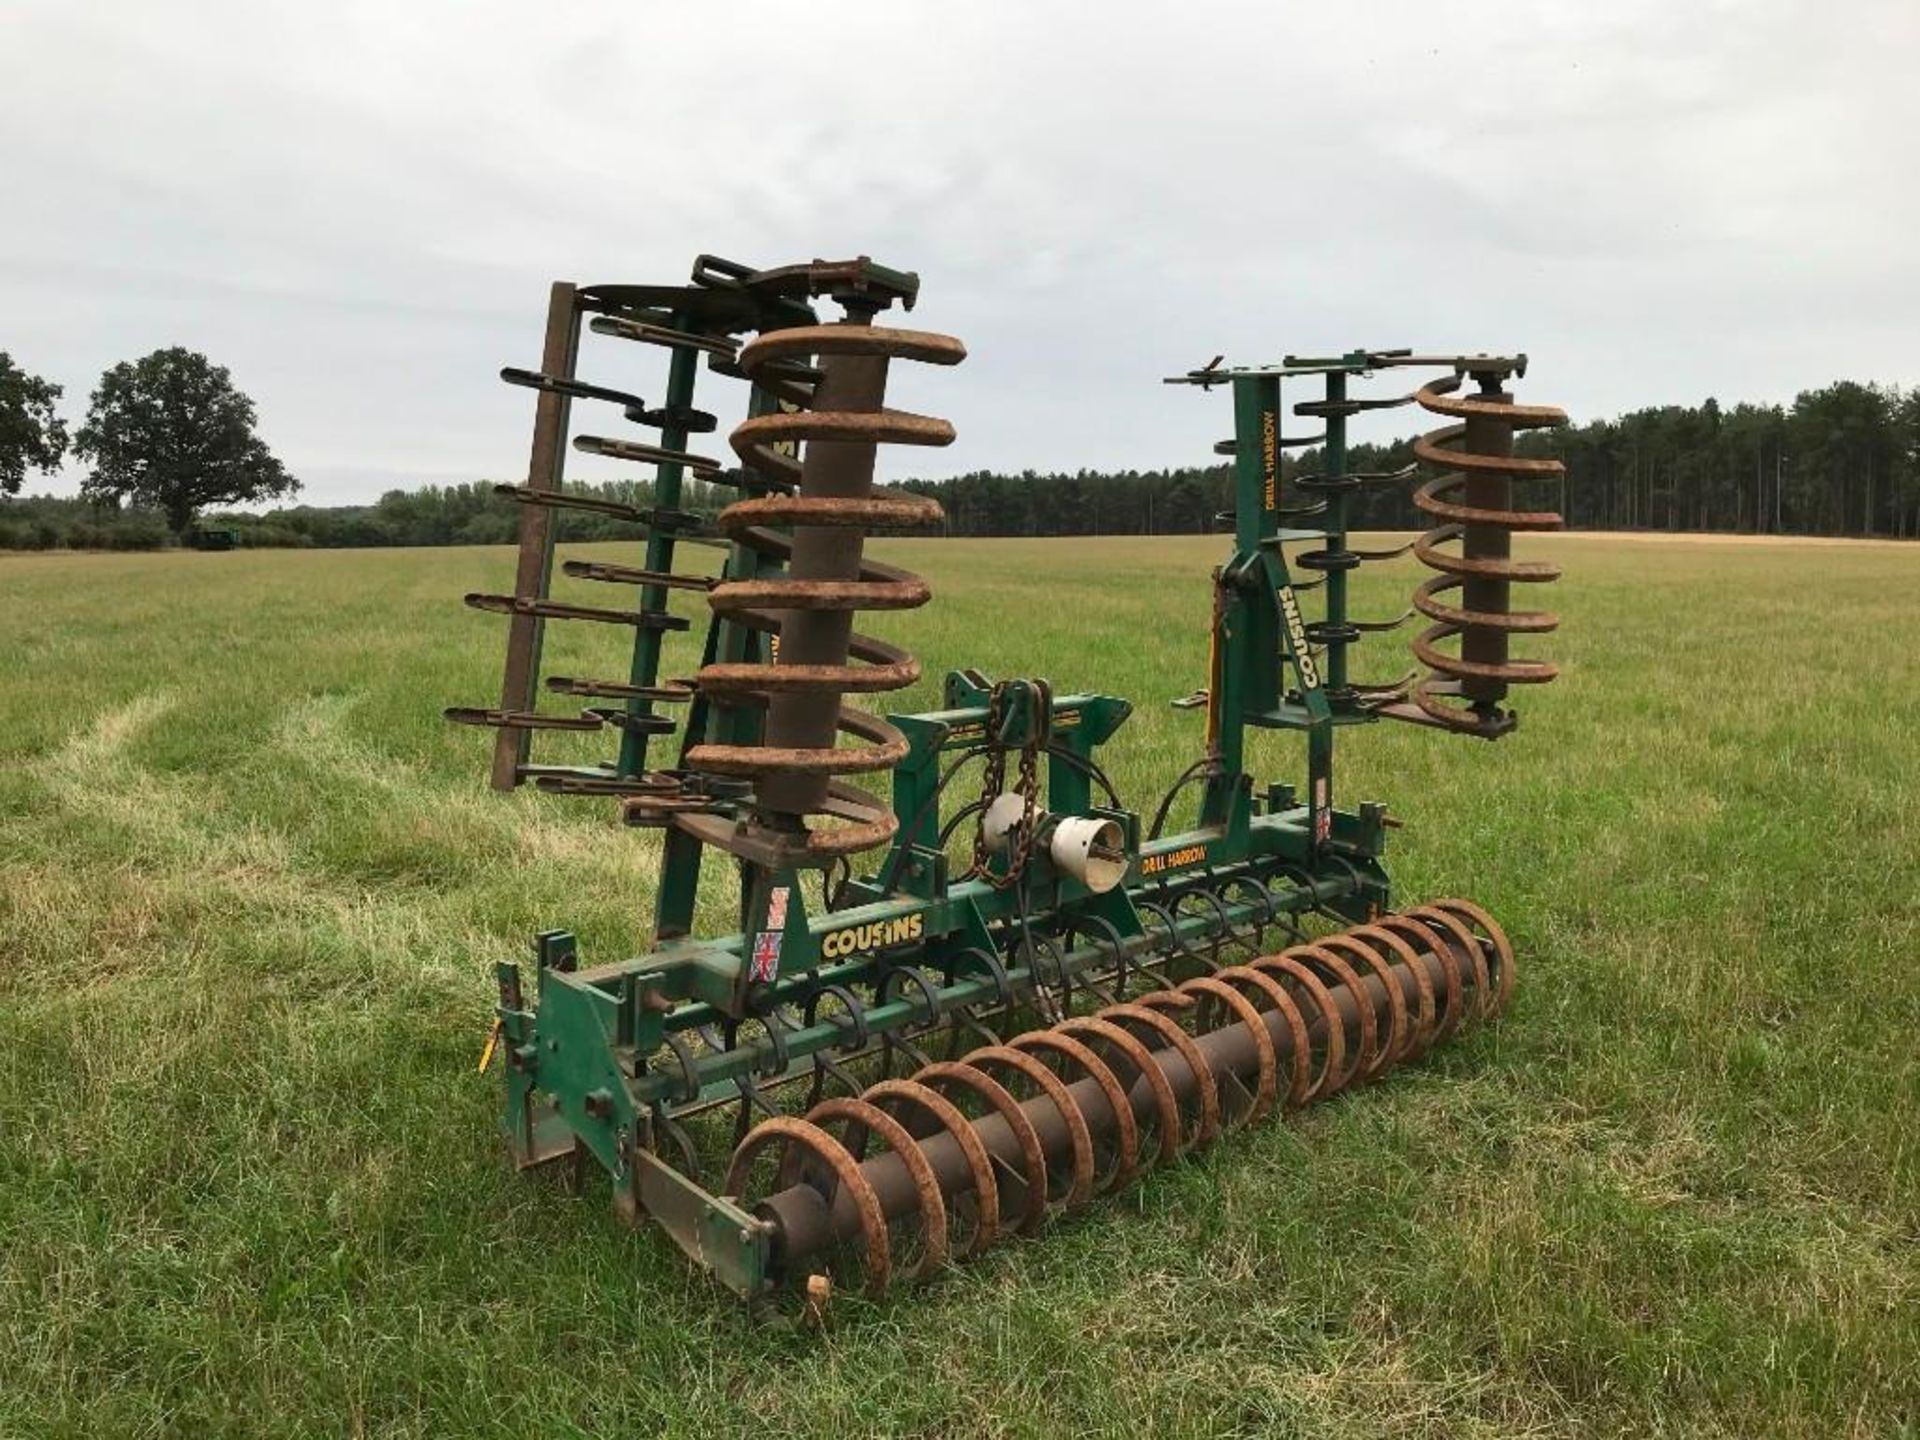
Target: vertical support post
(837, 470)
(546, 466)
(679, 885)
(1486, 490)
(1334, 465)
(710, 719)
(668, 476)
(1256, 461)
(1333, 457)
(1244, 652)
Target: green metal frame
(604, 1061)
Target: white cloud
(357, 207)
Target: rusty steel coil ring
(1387, 1050)
(1363, 1059)
(1300, 1074)
(1080, 1179)
(1394, 948)
(1456, 930)
(1450, 993)
(1126, 1135)
(1266, 1088)
(1476, 916)
(951, 1074)
(811, 1138)
(1102, 1097)
(1207, 1127)
(1407, 937)
(986, 1194)
(796, 767)
(1094, 1028)
(1471, 498)
(860, 1116)
(1333, 1075)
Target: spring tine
(618, 690)
(918, 1057)
(653, 518)
(637, 724)
(1381, 627)
(518, 719)
(622, 328)
(1392, 552)
(572, 389)
(718, 273)
(1357, 479)
(826, 1064)
(629, 575)
(556, 780)
(1386, 692)
(566, 500)
(1386, 477)
(556, 610)
(1326, 409)
(680, 417)
(644, 454)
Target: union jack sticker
(766, 957)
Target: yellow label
(874, 935)
(1172, 859)
(1297, 638)
(1270, 456)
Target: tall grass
(251, 887)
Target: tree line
(1841, 460)
(168, 435)
(172, 446)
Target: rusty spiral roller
(1473, 500)
(835, 378)
(946, 1161)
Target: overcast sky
(357, 207)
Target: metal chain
(1028, 789)
(994, 778)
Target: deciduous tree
(32, 437)
(170, 430)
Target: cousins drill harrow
(902, 1061)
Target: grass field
(251, 888)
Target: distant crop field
(251, 888)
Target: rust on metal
(1333, 1074)
(1472, 498)
(986, 1193)
(1033, 1156)
(791, 1132)
(858, 1115)
(1126, 1129)
(1415, 964)
(1080, 1140)
(831, 381)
